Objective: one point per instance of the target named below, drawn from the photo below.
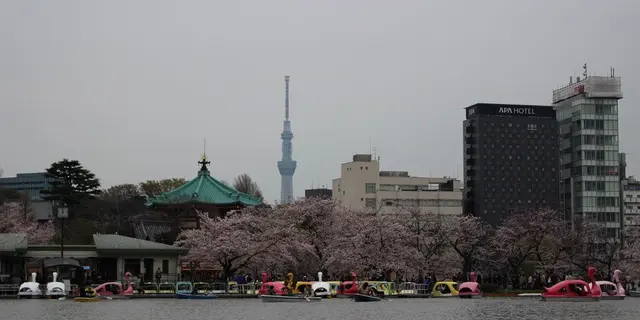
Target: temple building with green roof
(203, 193)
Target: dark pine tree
(71, 183)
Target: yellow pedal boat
(86, 299)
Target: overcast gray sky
(131, 88)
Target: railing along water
(413, 289)
(9, 289)
(221, 288)
(214, 287)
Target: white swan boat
(55, 289)
(320, 288)
(30, 289)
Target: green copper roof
(204, 189)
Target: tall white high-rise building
(587, 113)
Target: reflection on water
(250, 309)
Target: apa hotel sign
(506, 110)
(517, 110)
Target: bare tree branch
(245, 184)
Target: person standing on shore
(141, 278)
(158, 276)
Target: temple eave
(196, 203)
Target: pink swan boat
(471, 289)
(573, 290)
(115, 290)
(278, 287)
(350, 287)
(611, 290)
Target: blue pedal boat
(195, 296)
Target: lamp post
(192, 270)
(63, 213)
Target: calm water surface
(250, 309)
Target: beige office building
(362, 184)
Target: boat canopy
(184, 286)
(55, 262)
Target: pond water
(250, 309)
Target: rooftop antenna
(585, 70)
(613, 72)
(286, 100)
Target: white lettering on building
(512, 110)
(472, 111)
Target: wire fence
(411, 288)
(9, 289)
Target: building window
(370, 188)
(387, 187)
(165, 266)
(370, 203)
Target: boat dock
(8, 291)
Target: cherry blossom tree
(315, 219)
(15, 220)
(295, 250)
(371, 244)
(631, 251)
(445, 264)
(531, 235)
(591, 245)
(425, 232)
(468, 236)
(241, 237)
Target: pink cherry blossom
(424, 231)
(530, 235)
(445, 264)
(630, 264)
(240, 238)
(316, 222)
(590, 245)
(14, 219)
(372, 245)
(468, 236)
(314, 234)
